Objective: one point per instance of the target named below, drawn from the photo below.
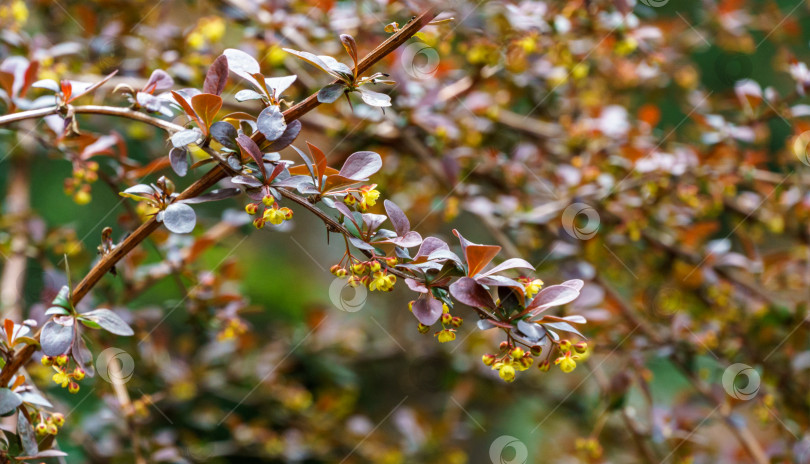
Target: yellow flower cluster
(51, 425)
(514, 360)
(368, 196)
(272, 213)
(234, 328)
(78, 186)
(209, 30)
(369, 273)
(531, 287)
(64, 377)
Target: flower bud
(507, 373)
(374, 266)
(446, 318)
(536, 350)
(78, 373)
(47, 361)
(410, 305)
(359, 268)
(504, 346)
(354, 281)
(51, 429)
(258, 223)
(392, 261)
(73, 387)
(268, 200)
(41, 428)
(581, 347)
(287, 212)
(516, 353)
(61, 360)
(565, 345)
(456, 321)
(349, 199)
(58, 419)
(251, 208)
(488, 359)
(423, 329)
(544, 366)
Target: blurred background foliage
(674, 121)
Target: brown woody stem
(209, 179)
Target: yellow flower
(61, 378)
(382, 282)
(276, 216)
(533, 287)
(446, 335)
(567, 363)
(507, 372)
(369, 196)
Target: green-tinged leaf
(56, 311)
(331, 93)
(9, 401)
(317, 61)
(63, 297)
(26, 341)
(56, 338)
(179, 218)
(109, 321)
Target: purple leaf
(416, 286)
(159, 80)
(427, 310)
(398, 218)
(514, 263)
(555, 295)
(214, 195)
(217, 76)
(178, 158)
(409, 240)
(271, 123)
(361, 165)
(471, 293)
(250, 147)
(288, 137)
(243, 65)
(429, 245)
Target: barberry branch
(208, 180)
